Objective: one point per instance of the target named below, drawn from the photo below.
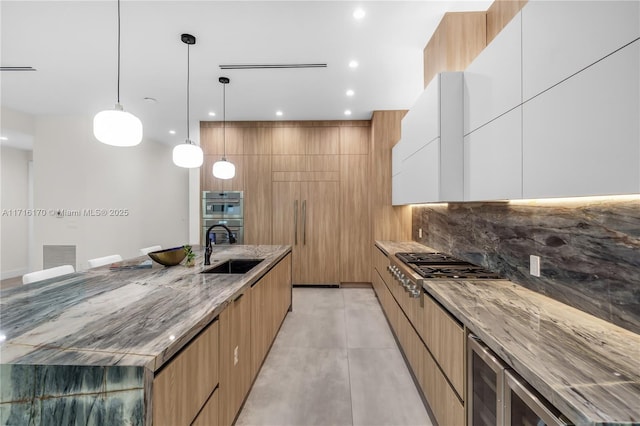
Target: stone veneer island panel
(84, 348)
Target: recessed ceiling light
(212, 114)
(279, 113)
(353, 64)
(173, 132)
(350, 92)
(359, 13)
(4, 138)
(347, 112)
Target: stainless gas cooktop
(443, 266)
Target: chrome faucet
(207, 251)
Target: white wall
(14, 254)
(73, 171)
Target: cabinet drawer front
(445, 339)
(183, 386)
(443, 401)
(381, 262)
(209, 414)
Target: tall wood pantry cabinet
(306, 184)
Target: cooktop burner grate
(429, 258)
(467, 271)
(442, 266)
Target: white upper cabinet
(493, 159)
(493, 81)
(582, 137)
(427, 163)
(560, 38)
(421, 124)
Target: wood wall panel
(499, 14)
(389, 222)
(258, 141)
(355, 140)
(289, 163)
(306, 176)
(323, 163)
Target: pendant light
(116, 126)
(224, 169)
(188, 154)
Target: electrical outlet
(419, 232)
(534, 265)
(235, 355)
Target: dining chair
(147, 250)
(100, 261)
(44, 274)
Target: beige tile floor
(334, 362)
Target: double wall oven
(496, 395)
(223, 208)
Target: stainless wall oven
(223, 208)
(222, 204)
(497, 396)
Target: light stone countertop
(139, 317)
(587, 367)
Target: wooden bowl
(168, 257)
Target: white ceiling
(73, 46)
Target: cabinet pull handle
(238, 298)
(304, 222)
(295, 222)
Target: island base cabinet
(209, 414)
(235, 356)
(270, 301)
(182, 387)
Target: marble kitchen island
(84, 348)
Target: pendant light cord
(188, 138)
(224, 120)
(118, 51)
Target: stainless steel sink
(234, 266)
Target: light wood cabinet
(183, 386)
(257, 199)
(210, 412)
(446, 406)
(235, 356)
(445, 338)
(305, 215)
(433, 343)
(322, 159)
(355, 219)
(270, 301)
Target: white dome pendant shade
(224, 169)
(188, 154)
(117, 127)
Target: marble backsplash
(589, 249)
